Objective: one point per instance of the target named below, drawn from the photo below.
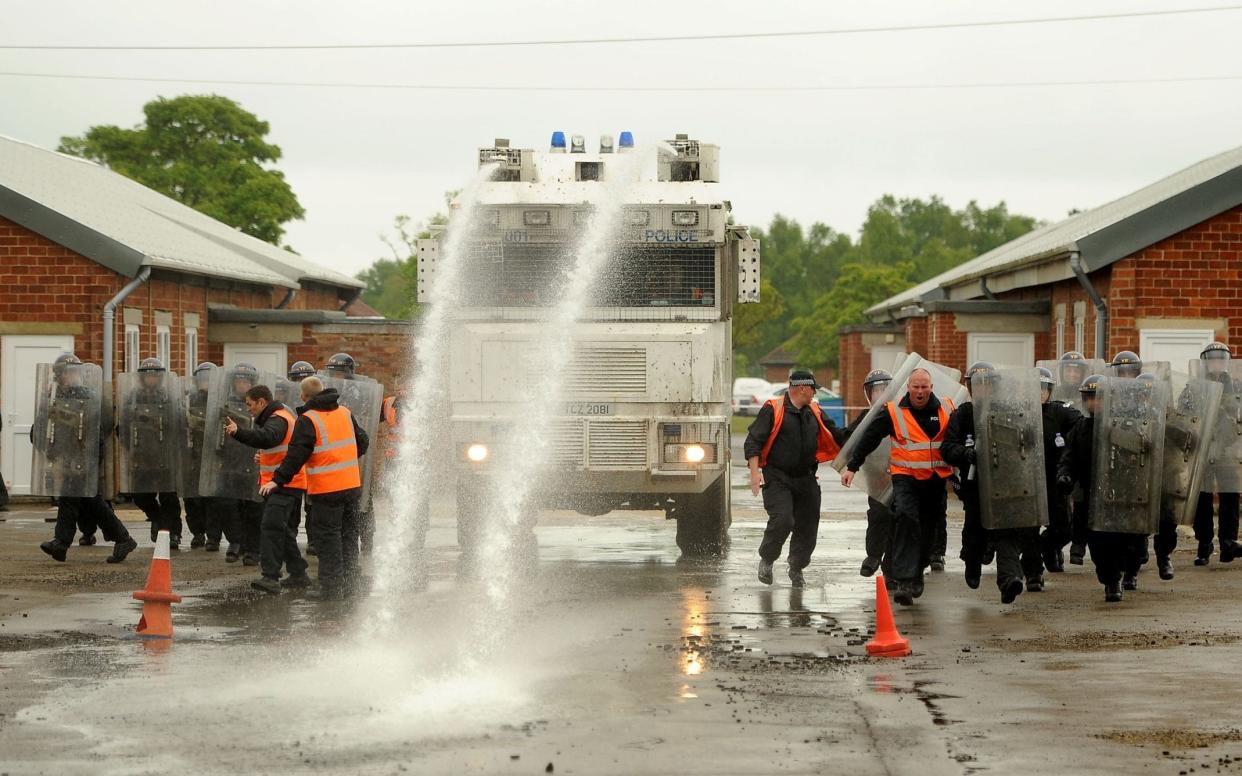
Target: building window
(1078, 336)
(132, 343)
(1060, 337)
(163, 346)
(191, 350)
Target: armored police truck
(641, 419)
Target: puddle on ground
(1111, 641)
(1172, 738)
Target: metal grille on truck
(617, 444)
(610, 370)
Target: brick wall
(1193, 274)
(381, 349)
(855, 362)
(916, 335)
(945, 344)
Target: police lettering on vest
(914, 454)
(271, 458)
(333, 466)
(826, 446)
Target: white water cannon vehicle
(642, 417)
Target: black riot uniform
(242, 518)
(1114, 554)
(879, 515)
(71, 510)
(919, 505)
(1058, 419)
(163, 509)
(791, 494)
(299, 371)
(1017, 549)
(1227, 517)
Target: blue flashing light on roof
(626, 140)
(558, 141)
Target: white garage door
(266, 357)
(884, 356)
(1001, 349)
(1177, 346)
(19, 354)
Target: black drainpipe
(1101, 309)
(983, 286)
(288, 298)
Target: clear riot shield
(148, 431)
(365, 400)
(229, 468)
(946, 382)
(288, 392)
(1224, 473)
(1009, 443)
(66, 431)
(1128, 456)
(193, 429)
(1069, 376)
(1163, 370)
(1188, 431)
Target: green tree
(205, 151)
(860, 286)
(392, 284)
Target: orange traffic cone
(157, 597)
(887, 642)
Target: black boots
(1129, 581)
(1011, 591)
(796, 578)
(869, 566)
(765, 571)
(55, 549)
(1112, 593)
(122, 549)
(974, 571)
(1165, 566)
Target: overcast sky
(357, 157)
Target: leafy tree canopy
(205, 151)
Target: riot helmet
(1073, 355)
(244, 375)
(341, 365)
(149, 371)
(875, 383)
(978, 375)
(67, 369)
(1217, 356)
(300, 370)
(1127, 364)
(1046, 383)
(202, 375)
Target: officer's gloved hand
(1065, 484)
(972, 456)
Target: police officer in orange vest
(916, 425)
(328, 442)
(278, 540)
(784, 447)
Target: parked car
(749, 394)
(831, 403)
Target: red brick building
(88, 256)
(1156, 271)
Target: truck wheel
(703, 520)
(470, 497)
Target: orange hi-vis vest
(271, 458)
(333, 466)
(826, 446)
(392, 440)
(913, 453)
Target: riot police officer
(1114, 553)
(1016, 547)
(1225, 470)
(1058, 419)
(68, 439)
(201, 517)
(230, 473)
(299, 371)
(148, 431)
(879, 516)
(342, 366)
(1126, 364)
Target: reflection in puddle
(693, 631)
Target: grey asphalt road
(609, 654)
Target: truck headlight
(477, 452)
(490, 217)
(537, 217)
(637, 217)
(690, 453)
(685, 217)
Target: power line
(614, 89)
(627, 40)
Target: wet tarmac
(614, 655)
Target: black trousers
(335, 533)
(1080, 533)
(879, 529)
(1059, 531)
(162, 509)
(249, 527)
(69, 510)
(919, 507)
(1227, 527)
(792, 504)
(1116, 553)
(1017, 550)
(1166, 537)
(196, 512)
(366, 530)
(278, 543)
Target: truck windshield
(533, 275)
